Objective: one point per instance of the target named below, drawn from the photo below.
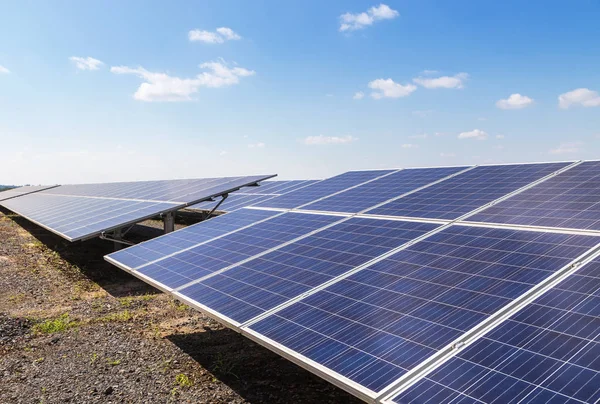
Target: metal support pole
(169, 222)
(117, 236)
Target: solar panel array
(253, 195)
(399, 285)
(78, 212)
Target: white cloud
(419, 136)
(222, 153)
(220, 35)
(359, 95)
(474, 134)
(427, 72)
(410, 146)
(4, 70)
(442, 154)
(87, 63)
(581, 96)
(515, 101)
(500, 136)
(162, 87)
(325, 140)
(390, 89)
(567, 148)
(352, 22)
(456, 81)
(482, 119)
(499, 147)
(228, 34)
(259, 145)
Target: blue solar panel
(78, 212)
(250, 289)
(459, 195)
(194, 263)
(549, 352)
(322, 189)
(157, 248)
(375, 192)
(233, 202)
(14, 192)
(253, 195)
(176, 191)
(569, 200)
(380, 322)
(75, 217)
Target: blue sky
(135, 90)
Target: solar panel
(549, 352)
(375, 192)
(175, 191)
(459, 195)
(568, 200)
(14, 192)
(233, 202)
(322, 189)
(191, 236)
(78, 212)
(253, 195)
(369, 329)
(248, 290)
(194, 263)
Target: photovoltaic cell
(375, 192)
(377, 324)
(549, 352)
(568, 200)
(160, 247)
(194, 263)
(459, 195)
(321, 189)
(14, 192)
(250, 289)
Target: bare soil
(73, 328)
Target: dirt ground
(75, 329)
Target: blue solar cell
(157, 248)
(399, 311)
(569, 200)
(375, 192)
(254, 287)
(466, 192)
(194, 263)
(322, 189)
(549, 352)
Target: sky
(137, 90)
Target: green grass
(59, 324)
(121, 317)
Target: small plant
(183, 381)
(126, 301)
(147, 297)
(93, 358)
(115, 362)
(59, 324)
(121, 317)
(225, 366)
